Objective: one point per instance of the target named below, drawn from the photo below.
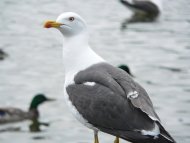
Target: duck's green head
(37, 100)
(126, 69)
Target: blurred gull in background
(143, 10)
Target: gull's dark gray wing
(114, 104)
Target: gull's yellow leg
(96, 137)
(116, 140)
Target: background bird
(12, 114)
(126, 69)
(2, 54)
(143, 10)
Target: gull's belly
(75, 112)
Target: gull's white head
(68, 23)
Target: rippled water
(158, 54)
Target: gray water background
(158, 54)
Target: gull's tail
(165, 137)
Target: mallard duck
(126, 68)
(11, 114)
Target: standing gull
(143, 10)
(101, 96)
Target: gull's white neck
(77, 55)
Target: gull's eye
(71, 18)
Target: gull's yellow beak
(50, 24)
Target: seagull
(144, 10)
(101, 96)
